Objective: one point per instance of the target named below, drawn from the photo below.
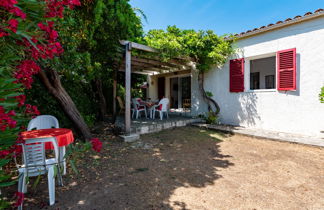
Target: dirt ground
(191, 168)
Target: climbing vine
(205, 47)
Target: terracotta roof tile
(278, 22)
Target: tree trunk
(115, 96)
(102, 99)
(52, 82)
(208, 99)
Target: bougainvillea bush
(27, 37)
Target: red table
(63, 136)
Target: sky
(221, 16)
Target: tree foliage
(205, 47)
(322, 95)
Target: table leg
(62, 159)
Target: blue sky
(222, 16)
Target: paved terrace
(272, 135)
(143, 125)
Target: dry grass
(190, 168)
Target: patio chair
(161, 108)
(122, 106)
(35, 164)
(138, 108)
(43, 122)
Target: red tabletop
(63, 136)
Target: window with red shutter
(286, 70)
(237, 75)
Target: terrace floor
(144, 126)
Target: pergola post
(128, 88)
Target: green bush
(211, 118)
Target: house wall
(293, 111)
(153, 84)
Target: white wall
(294, 111)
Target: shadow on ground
(142, 175)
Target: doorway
(161, 87)
(180, 92)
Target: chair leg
(51, 185)
(21, 187)
(62, 159)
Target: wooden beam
(138, 46)
(154, 62)
(128, 89)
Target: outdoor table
(63, 137)
(150, 105)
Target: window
(255, 80)
(270, 82)
(265, 73)
(262, 73)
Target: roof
(283, 23)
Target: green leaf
(7, 184)
(74, 168)
(36, 182)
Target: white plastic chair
(138, 108)
(161, 108)
(45, 122)
(35, 164)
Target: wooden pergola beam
(154, 62)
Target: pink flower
(13, 24)
(17, 12)
(4, 153)
(3, 34)
(33, 110)
(21, 100)
(25, 72)
(20, 199)
(96, 144)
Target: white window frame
(247, 71)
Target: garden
(63, 57)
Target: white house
(272, 83)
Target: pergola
(144, 61)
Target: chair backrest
(120, 102)
(135, 103)
(165, 104)
(43, 122)
(186, 103)
(34, 156)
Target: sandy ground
(191, 168)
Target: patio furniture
(150, 107)
(35, 164)
(63, 137)
(161, 108)
(138, 108)
(122, 106)
(43, 122)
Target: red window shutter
(237, 75)
(286, 70)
